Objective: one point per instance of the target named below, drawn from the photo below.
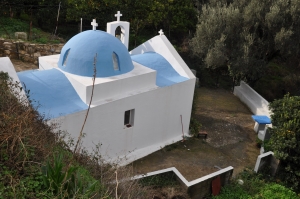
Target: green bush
(275, 191)
(255, 186)
(72, 182)
(234, 192)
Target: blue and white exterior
(152, 81)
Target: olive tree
(243, 36)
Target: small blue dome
(77, 55)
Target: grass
(162, 180)
(8, 27)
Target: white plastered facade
(157, 110)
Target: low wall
(266, 161)
(27, 51)
(256, 103)
(198, 188)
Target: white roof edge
(7, 66)
(181, 177)
(161, 45)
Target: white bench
(255, 102)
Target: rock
(7, 52)
(240, 181)
(7, 45)
(22, 52)
(30, 49)
(37, 54)
(21, 35)
(26, 57)
(1, 41)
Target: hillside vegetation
(8, 27)
(36, 162)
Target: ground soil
(21, 66)
(231, 140)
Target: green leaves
(285, 137)
(255, 32)
(68, 182)
(255, 187)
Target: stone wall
(26, 51)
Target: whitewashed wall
(255, 102)
(156, 122)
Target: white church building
(141, 100)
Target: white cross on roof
(161, 32)
(118, 15)
(94, 24)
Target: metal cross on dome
(94, 24)
(161, 32)
(118, 15)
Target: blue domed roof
(77, 55)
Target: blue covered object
(166, 74)
(51, 92)
(261, 119)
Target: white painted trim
(257, 164)
(180, 176)
(255, 102)
(6, 66)
(161, 45)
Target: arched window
(115, 59)
(66, 57)
(118, 32)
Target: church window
(129, 118)
(66, 57)
(115, 59)
(118, 32)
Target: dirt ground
(231, 140)
(21, 66)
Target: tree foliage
(285, 139)
(177, 17)
(243, 36)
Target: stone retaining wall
(26, 51)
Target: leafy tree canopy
(242, 36)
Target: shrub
(285, 138)
(275, 191)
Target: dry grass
(24, 135)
